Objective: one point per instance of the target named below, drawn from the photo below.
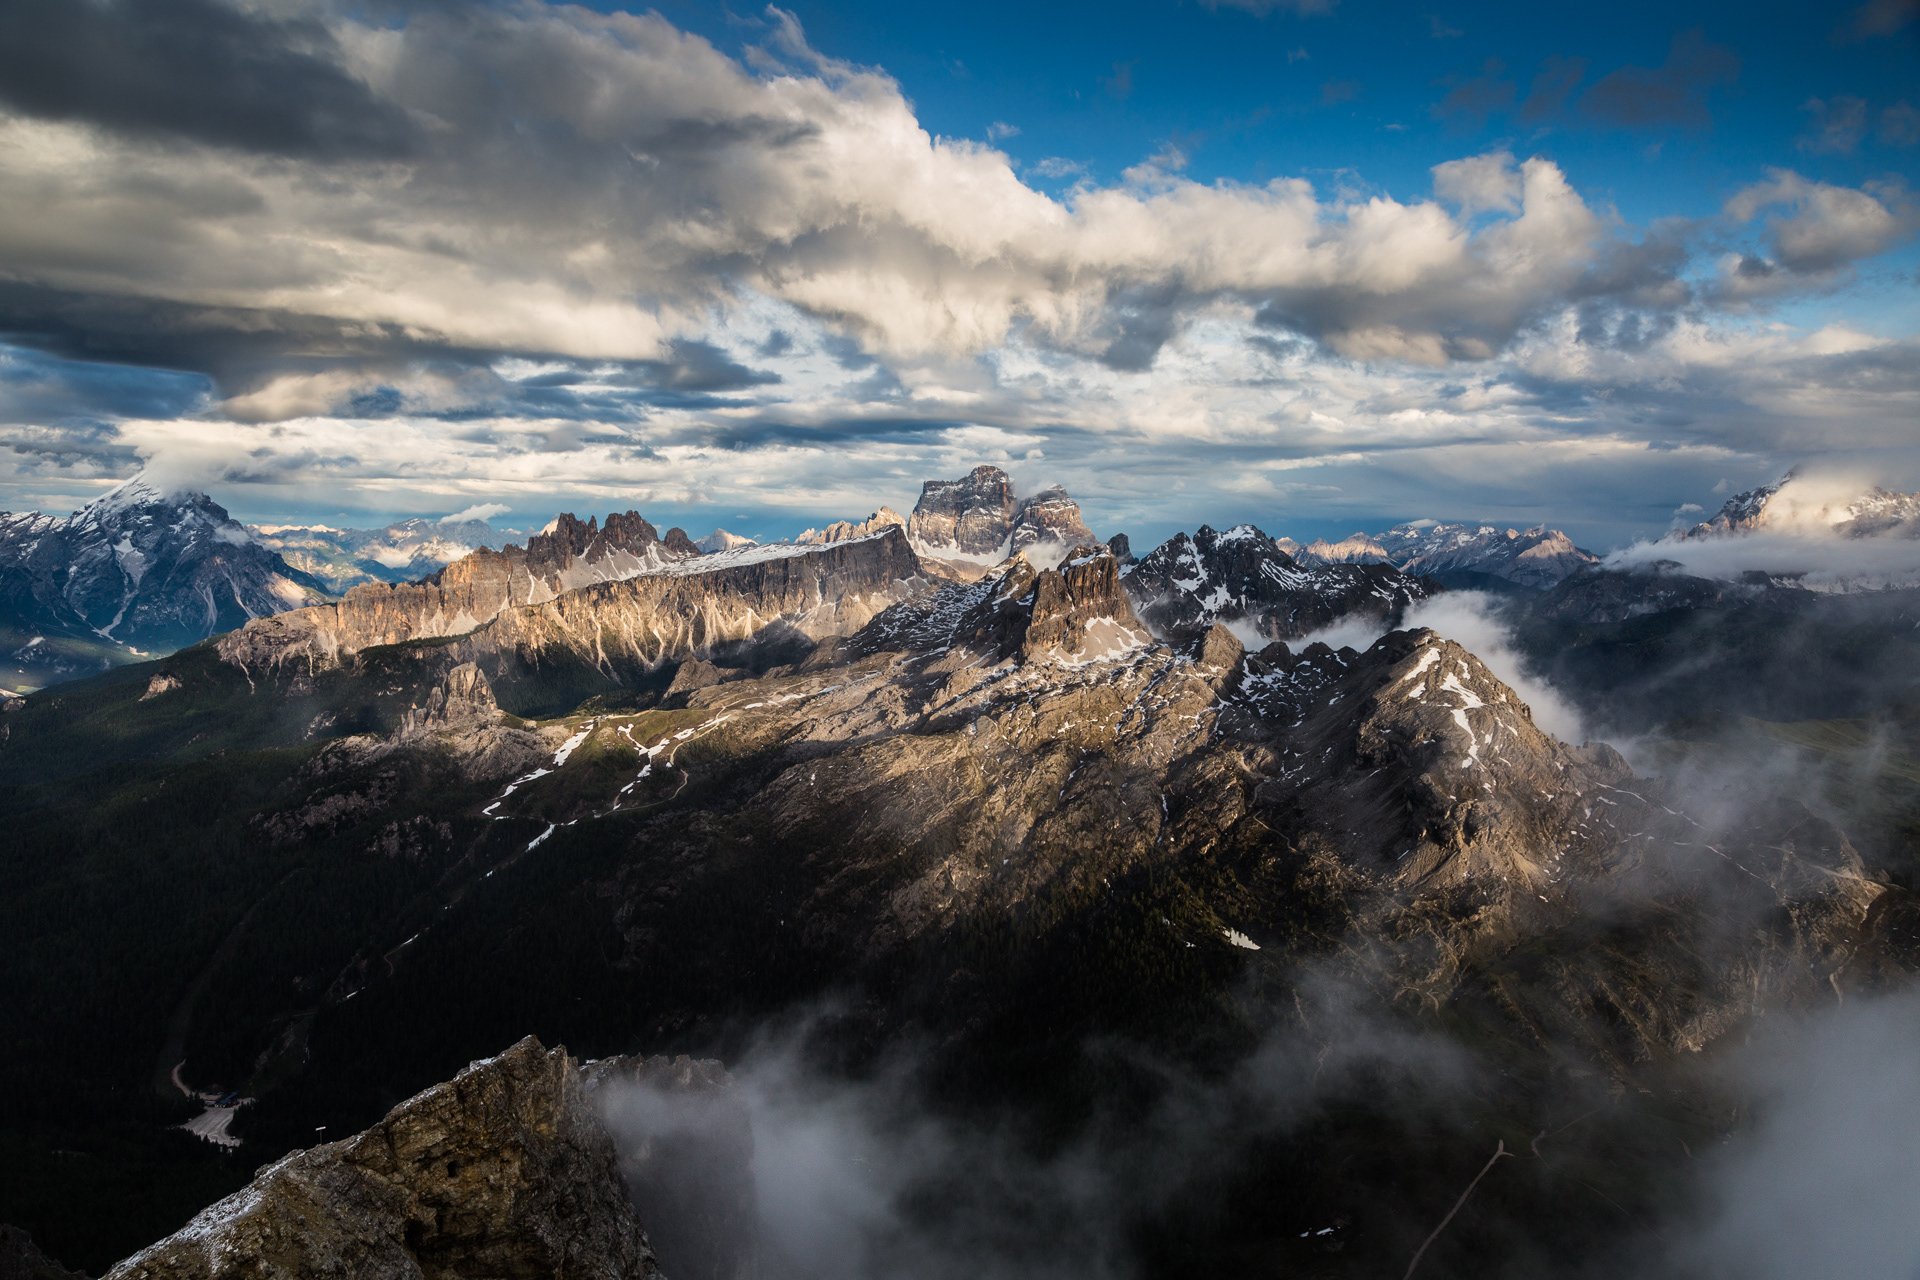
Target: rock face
(1076, 612)
(975, 522)
(971, 516)
(669, 606)
(504, 1171)
(1190, 582)
(461, 703)
(1461, 555)
(141, 568)
(476, 588)
(404, 551)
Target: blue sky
(1322, 270)
(1364, 88)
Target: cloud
(1472, 620)
(1479, 184)
(734, 268)
(1674, 93)
(1837, 127)
(832, 198)
(1057, 167)
(478, 511)
(1552, 85)
(1878, 18)
(1822, 1181)
(1900, 125)
(194, 71)
(1799, 539)
(1823, 226)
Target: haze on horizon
(1317, 265)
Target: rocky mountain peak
(848, 530)
(1429, 763)
(506, 1170)
(568, 540)
(975, 522)
(1076, 611)
(462, 701)
(971, 517)
(1801, 503)
(143, 566)
(1049, 518)
(1355, 548)
(1191, 581)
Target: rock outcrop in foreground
(506, 1172)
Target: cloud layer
(567, 232)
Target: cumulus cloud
(1821, 226)
(194, 70)
(1479, 184)
(659, 178)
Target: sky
(1321, 265)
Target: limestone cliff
(668, 610)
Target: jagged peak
(847, 530)
(143, 492)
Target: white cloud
(600, 214)
(478, 511)
(1479, 184)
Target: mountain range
(1099, 849)
(404, 551)
(936, 828)
(1459, 555)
